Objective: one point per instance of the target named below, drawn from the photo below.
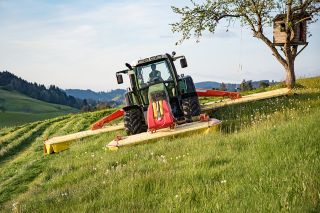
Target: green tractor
(156, 77)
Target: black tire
(134, 122)
(191, 107)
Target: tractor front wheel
(191, 107)
(134, 122)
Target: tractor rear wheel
(191, 107)
(134, 122)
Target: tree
(102, 105)
(223, 86)
(243, 85)
(249, 85)
(263, 84)
(255, 14)
(85, 107)
(246, 85)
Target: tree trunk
(287, 62)
(290, 75)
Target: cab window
(153, 73)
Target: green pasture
(264, 158)
(17, 109)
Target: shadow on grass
(217, 162)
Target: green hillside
(265, 158)
(20, 109)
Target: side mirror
(129, 66)
(183, 62)
(119, 79)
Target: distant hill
(230, 86)
(114, 96)
(207, 84)
(84, 99)
(16, 109)
(52, 94)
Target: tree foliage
(263, 84)
(246, 85)
(223, 87)
(255, 14)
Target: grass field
(20, 109)
(265, 158)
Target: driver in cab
(154, 75)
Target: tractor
(158, 99)
(158, 96)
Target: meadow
(21, 109)
(265, 157)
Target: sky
(80, 44)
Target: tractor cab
(153, 73)
(153, 79)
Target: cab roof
(150, 59)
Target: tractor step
(180, 130)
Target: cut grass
(8, 119)
(266, 158)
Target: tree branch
(227, 16)
(289, 30)
(294, 51)
(258, 13)
(302, 6)
(250, 23)
(314, 10)
(274, 50)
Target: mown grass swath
(265, 158)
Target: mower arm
(99, 124)
(217, 93)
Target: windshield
(153, 73)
